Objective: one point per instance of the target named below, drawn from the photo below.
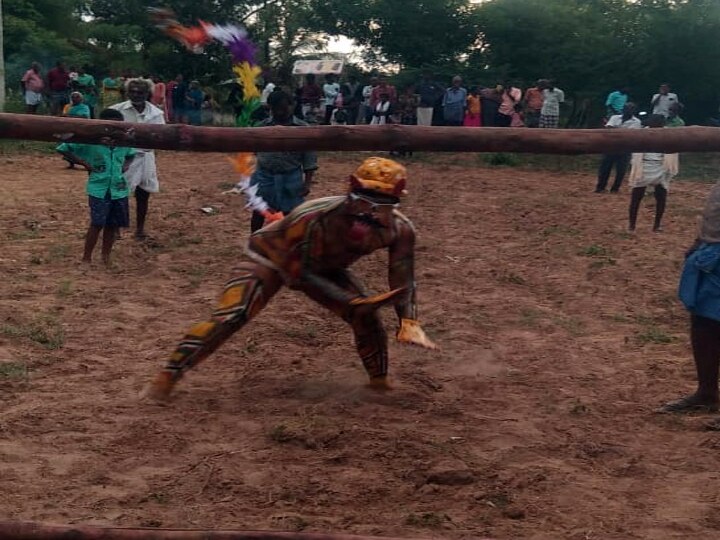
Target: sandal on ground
(688, 404)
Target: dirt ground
(560, 334)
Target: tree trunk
(2, 64)
(356, 138)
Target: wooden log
(353, 138)
(35, 531)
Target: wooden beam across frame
(36, 531)
(360, 138)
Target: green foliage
(588, 47)
(411, 34)
(45, 330)
(655, 335)
(39, 30)
(502, 159)
(13, 370)
(593, 250)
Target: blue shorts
(282, 191)
(109, 212)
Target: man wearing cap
(310, 250)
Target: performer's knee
(233, 305)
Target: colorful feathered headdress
(235, 39)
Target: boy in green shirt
(107, 188)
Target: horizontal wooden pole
(368, 138)
(35, 531)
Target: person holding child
(106, 187)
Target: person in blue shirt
(700, 293)
(455, 103)
(194, 100)
(106, 187)
(616, 101)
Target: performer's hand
(411, 332)
(375, 302)
(272, 217)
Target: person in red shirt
(57, 85)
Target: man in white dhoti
(142, 174)
(651, 169)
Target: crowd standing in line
(318, 98)
(147, 99)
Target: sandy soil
(560, 334)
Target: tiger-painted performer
(310, 250)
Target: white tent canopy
(317, 67)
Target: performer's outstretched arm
(402, 269)
(402, 275)
(347, 295)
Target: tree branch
(259, 9)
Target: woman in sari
(110, 90)
(85, 84)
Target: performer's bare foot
(380, 384)
(158, 390)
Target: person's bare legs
(142, 200)
(248, 292)
(91, 239)
(636, 197)
(109, 236)
(705, 338)
(660, 203)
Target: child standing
(651, 169)
(106, 187)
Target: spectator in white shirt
(552, 98)
(662, 101)
(269, 87)
(331, 89)
(626, 120)
(367, 91)
(142, 173)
